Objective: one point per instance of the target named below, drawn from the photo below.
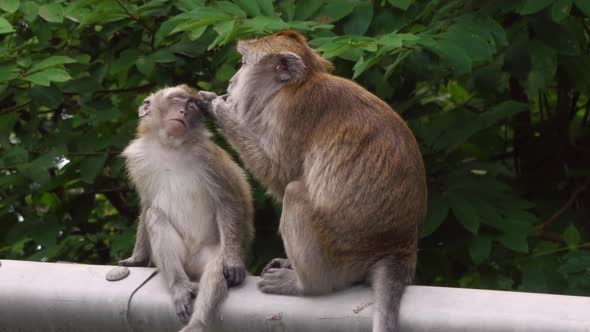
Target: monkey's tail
(212, 292)
(389, 277)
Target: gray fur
(196, 221)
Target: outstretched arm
(243, 139)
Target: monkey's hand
(277, 263)
(135, 261)
(234, 272)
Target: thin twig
(135, 18)
(14, 108)
(566, 206)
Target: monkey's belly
(195, 261)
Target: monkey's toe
(279, 281)
(184, 297)
(277, 263)
(133, 261)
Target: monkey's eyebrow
(177, 95)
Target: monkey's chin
(175, 129)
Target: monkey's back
(364, 171)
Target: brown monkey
(196, 205)
(345, 166)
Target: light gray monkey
(345, 166)
(196, 205)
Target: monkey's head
(277, 59)
(174, 114)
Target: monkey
(196, 205)
(345, 166)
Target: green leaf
(287, 8)
(145, 65)
(543, 69)
(52, 12)
(305, 9)
(360, 19)
(5, 26)
(264, 24)
(450, 53)
(514, 241)
(561, 9)
(47, 76)
(401, 4)
(533, 6)
(335, 10)
(52, 61)
(583, 6)
(249, 6)
(50, 97)
(162, 56)
(8, 72)
(231, 8)
(475, 46)
(201, 18)
(438, 210)
(126, 60)
(465, 212)
(571, 236)
(576, 261)
(91, 167)
(227, 31)
(266, 7)
(480, 248)
(9, 6)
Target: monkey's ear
(288, 66)
(144, 109)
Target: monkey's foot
(279, 281)
(184, 295)
(277, 263)
(134, 261)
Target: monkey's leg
(213, 289)
(169, 253)
(310, 273)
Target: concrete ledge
(76, 297)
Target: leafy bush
(497, 93)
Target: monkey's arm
(230, 216)
(243, 139)
(141, 251)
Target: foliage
(497, 93)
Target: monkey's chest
(189, 205)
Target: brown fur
(345, 165)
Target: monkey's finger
(275, 263)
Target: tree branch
(134, 18)
(541, 226)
